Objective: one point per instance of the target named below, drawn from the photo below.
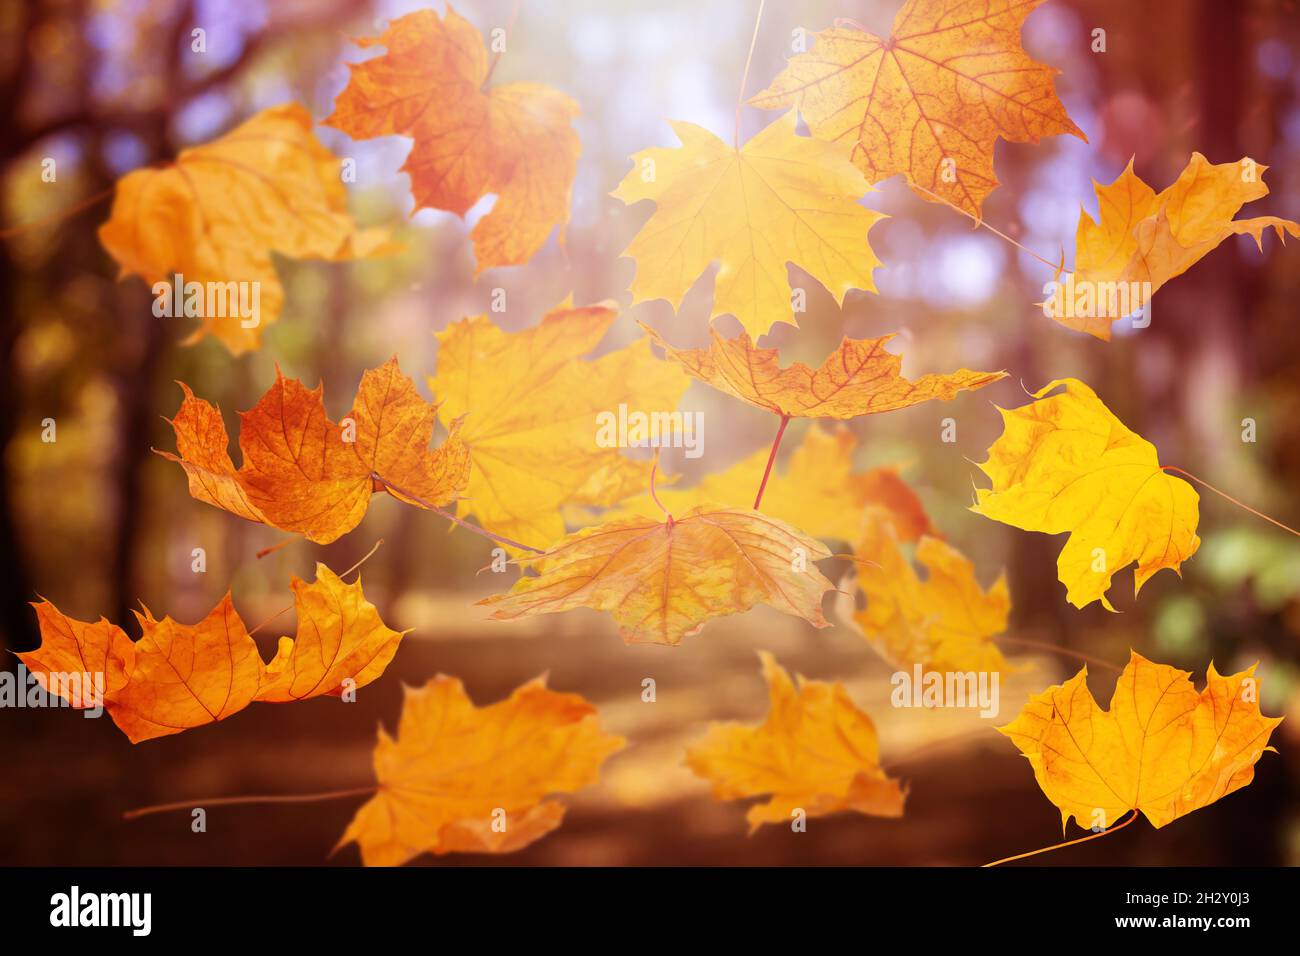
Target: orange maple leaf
(932, 100)
(216, 215)
(1143, 239)
(464, 779)
(304, 473)
(515, 141)
(816, 752)
(1162, 747)
(858, 378)
(663, 580)
(179, 676)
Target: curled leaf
(304, 473)
(514, 141)
(464, 779)
(816, 752)
(216, 215)
(1142, 239)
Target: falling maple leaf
(1162, 747)
(514, 141)
(945, 622)
(780, 198)
(816, 752)
(817, 492)
(663, 580)
(530, 403)
(932, 100)
(179, 676)
(302, 472)
(858, 378)
(1142, 239)
(1066, 463)
(464, 779)
(216, 215)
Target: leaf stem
(980, 222)
(496, 57)
(744, 79)
(776, 443)
(1057, 846)
(286, 610)
(499, 538)
(1223, 494)
(233, 801)
(60, 216)
(654, 496)
(1056, 649)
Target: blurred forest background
(97, 523)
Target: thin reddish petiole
(1227, 497)
(286, 610)
(1057, 846)
(654, 496)
(767, 472)
(499, 538)
(980, 222)
(1055, 649)
(235, 801)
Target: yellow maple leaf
(514, 141)
(945, 622)
(306, 474)
(466, 779)
(859, 378)
(780, 198)
(932, 100)
(1162, 747)
(817, 491)
(1067, 464)
(529, 403)
(1142, 239)
(216, 215)
(816, 752)
(341, 638)
(663, 580)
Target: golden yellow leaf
(1162, 747)
(816, 752)
(1066, 463)
(514, 141)
(304, 473)
(179, 676)
(817, 491)
(663, 580)
(216, 215)
(944, 623)
(1143, 239)
(340, 638)
(859, 378)
(456, 774)
(530, 402)
(780, 198)
(932, 100)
